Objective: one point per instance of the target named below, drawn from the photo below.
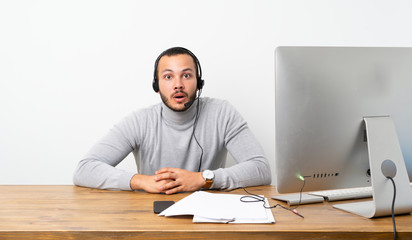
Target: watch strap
(208, 184)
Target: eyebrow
(184, 70)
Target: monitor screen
(322, 95)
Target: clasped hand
(169, 180)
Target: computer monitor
(327, 100)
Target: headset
(177, 51)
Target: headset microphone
(189, 103)
(198, 96)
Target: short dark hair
(177, 51)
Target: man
(180, 144)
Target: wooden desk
(57, 212)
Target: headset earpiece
(155, 85)
(200, 83)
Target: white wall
(69, 70)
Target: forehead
(176, 62)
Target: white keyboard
(345, 194)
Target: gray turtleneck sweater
(160, 137)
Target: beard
(179, 107)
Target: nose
(178, 84)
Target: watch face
(207, 174)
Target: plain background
(69, 70)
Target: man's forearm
(249, 173)
(96, 174)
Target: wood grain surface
(71, 212)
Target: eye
(167, 77)
(186, 75)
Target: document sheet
(220, 208)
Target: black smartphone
(159, 206)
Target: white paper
(223, 208)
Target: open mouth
(179, 97)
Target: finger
(174, 190)
(168, 186)
(165, 169)
(162, 170)
(164, 176)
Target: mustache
(180, 92)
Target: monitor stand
(385, 159)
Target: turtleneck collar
(179, 117)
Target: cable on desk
(257, 198)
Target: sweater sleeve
(252, 167)
(97, 168)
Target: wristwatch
(208, 176)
